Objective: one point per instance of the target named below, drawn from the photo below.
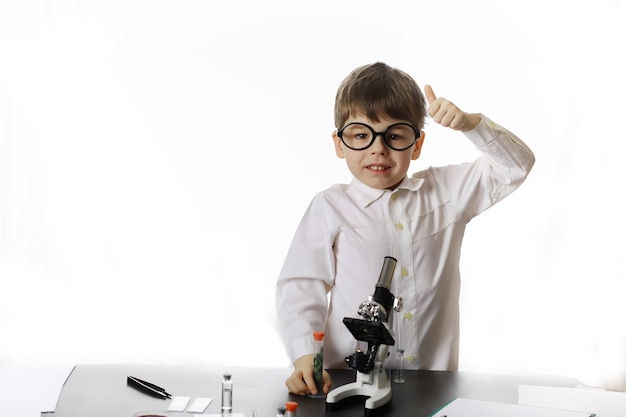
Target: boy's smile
(378, 166)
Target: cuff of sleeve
(300, 347)
(484, 132)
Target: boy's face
(378, 166)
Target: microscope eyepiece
(386, 273)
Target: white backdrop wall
(156, 157)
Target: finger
(448, 119)
(296, 385)
(458, 121)
(310, 383)
(327, 382)
(446, 112)
(298, 388)
(439, 111)
(430, 94)
(434, 110)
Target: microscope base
(374, 385)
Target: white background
(156, 157)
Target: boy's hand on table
(447, 114)
(301, 381)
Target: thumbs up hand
(447, 114)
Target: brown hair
(377, 91)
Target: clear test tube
(318, 362)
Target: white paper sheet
(464, 407)
(603, 403)
(29, 389)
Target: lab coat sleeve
(503, 166)
(305, 280)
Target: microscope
(373, 328)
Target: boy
(348, 229)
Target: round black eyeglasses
(359, 136)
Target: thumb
(430, 94)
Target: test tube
(318, 362)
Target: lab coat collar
(366, 195)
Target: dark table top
(101, 390)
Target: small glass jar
(399, 364)
(227, 394)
